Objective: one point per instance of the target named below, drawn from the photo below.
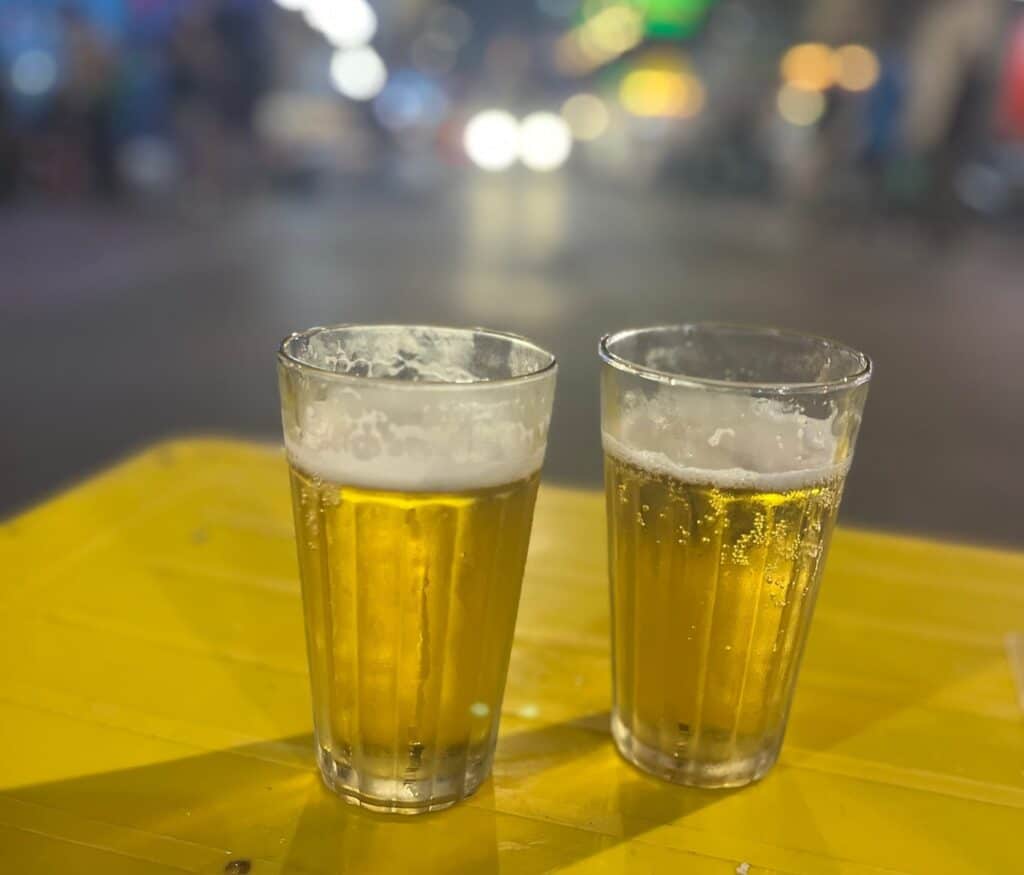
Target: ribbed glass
(726, 450)
(415, 456)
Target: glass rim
(859, 378)
(288, 359)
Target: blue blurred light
(34, 73)
(411, 100)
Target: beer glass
(415, 454)
(726, 448)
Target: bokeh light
(359, 74)
(800, 107)
(545, 141)
(345, 23)
(491, 140)
(809, 66)
(606, 32)
(857, 67)
(33, 73)
(411, 100)
(674, 19)
(613, 30)
(586, 115)
(655, 93)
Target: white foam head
(727, 440)
(416, 409)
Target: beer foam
(446, 439)
(344, 469)
(726, 441)
(430, 409)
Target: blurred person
(10, 152)
(239, 28)
(857, 135)
(949, 57)
(218, 73)
(85, 106)
(198, 81)
(883, 119)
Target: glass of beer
(726, 448)
(415, 454)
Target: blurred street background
(183, 182)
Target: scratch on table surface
(517, 846)
(1015, 653)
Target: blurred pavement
(119, 327)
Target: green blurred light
(673, 19)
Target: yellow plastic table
(155, 716)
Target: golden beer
(712, 587)
(410, 601)
(415, 453)
(726, 449)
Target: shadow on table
(561, 795)
(264, 803)
(530, 810)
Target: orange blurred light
(662, 94)
(857, 67)
(809, 66)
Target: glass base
(403, 795)
(717, 774)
